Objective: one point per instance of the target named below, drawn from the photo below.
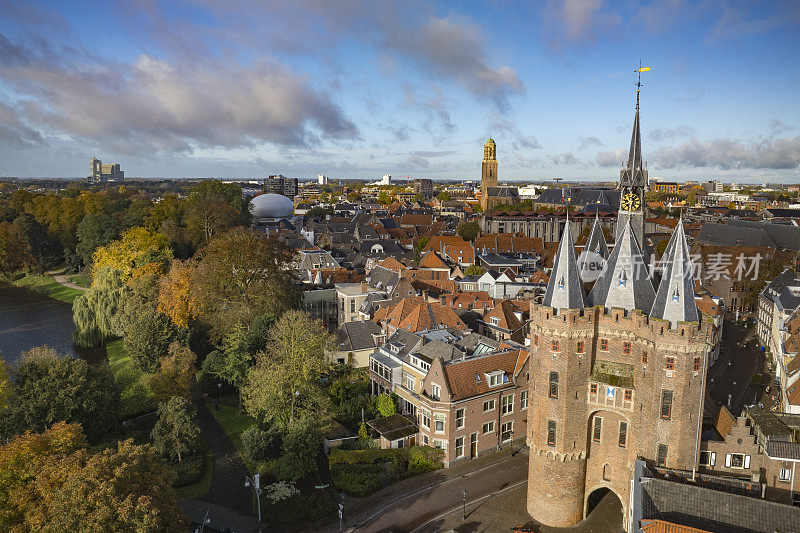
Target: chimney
(364, 286)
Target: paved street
(734, 369)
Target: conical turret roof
(565, 290)
(625, 281)
(675, 297)
(597, 240)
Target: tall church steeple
(633, 180)
(488, 171)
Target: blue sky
(358, 89)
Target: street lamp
(206, 520)
(464, 509)
(256, 484)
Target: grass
(233, 423)
(81, 280)
(44, 284)
(136, 396)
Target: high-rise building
(616, 376)
(424, 186)
(100, 172)
(322, 179)
(281, 185)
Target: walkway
(732, 372)
(227, 482)
(218, 517)
(62, 279)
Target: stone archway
(603, 505)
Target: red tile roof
(460, 375)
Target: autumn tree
(148, 337)
(135, 248)
(176, 432)
(284, 383)
(51, 482)
(14, 253)
(5, 384)
(214, 207)
(48, 388)
(175, 374)
(174, 295)
(242, 274)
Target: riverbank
(46, 285)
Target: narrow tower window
(666, 404)
(551, 432)
(554, 384)
(598, 429)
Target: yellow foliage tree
(174, 297)
(132, 251)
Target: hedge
(362, 472)
(361, 479)
(299, 509)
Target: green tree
(48, 388)
(176, 432)
(14, 252)
(214, 207)
(284, 383)
(96, 311)
(474, 270)
(94, 231)
(384, 198)
(241, 275)
(444, 196)
(417, 198)
(385, 405)
(148, 337)
(301, 445)
(176, 373)
(5, 384)
(469, 231)
(34, 237)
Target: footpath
(62, 279)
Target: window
(488, 427)
(737, 460)
(408, 382)
(555, 345)
(536, 339)
(553, 391)
(604, 344)
(785, 474)
(488, 405)
(663, 449)
(436, 391)
(507, 431)
(425, 418)
(644, 357)
(440, 444)
(666, 404)
(460, 418)
(626, 348)
(696, 364)
(623, 434)
(352, 306)
(425, 440)
(507, 405)
(708, 458)
(496, 379)
(579, 347)
(523, 400)
(439, 423)
(628, 395)
(598, 429)
(593, 388)
(670, 364)
(551, 432)
(459, 447)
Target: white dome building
(272, 206)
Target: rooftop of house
(468, 377)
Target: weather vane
(639, 81)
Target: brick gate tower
(615, 376)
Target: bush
(299, 509)
(421, 459)
(259, 444)
(358, 444)
(373, 456)
(190, 470)
(360, 479)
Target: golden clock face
(631, 202)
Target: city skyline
(189, 89)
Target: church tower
(488, 171)
(633, 183)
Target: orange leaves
(174, 296)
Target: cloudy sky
(356, 88)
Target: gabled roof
(431, 259)
(382, 278)
(358, 335)
(565, 289)
(504, 312)
(625, 280)
(466, 378)
(415, 314)
(674, 300)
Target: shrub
(259, 444)
(299, 509)
(360, 479)
(190, 470)
(282, 490)
(421, 459)
(373, 456)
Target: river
(29, 319)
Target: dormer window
(561, 284)
(494, 320)
(676, 296)
(495, 378)
(623, 279)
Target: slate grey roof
(783, 235)
(713, 510)
(565, 288)
(783, 212)
(783, 290)
(474, 340)
(625, 281)
(581, 196)
(403, 339)
(433, 349)
(382, 278)
(721, 235)
(783, 450)
(597, 240)
(675, 297)
(492, 259)
(502, 192)
(358, 335)
(633, 173)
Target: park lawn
(44, 284)
(81, 280)
(233, 423)
(136, 395)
